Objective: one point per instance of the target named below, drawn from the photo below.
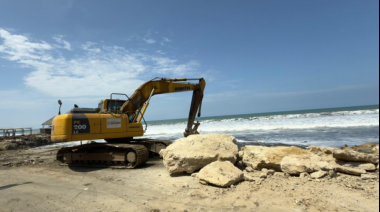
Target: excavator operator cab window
(114, 105)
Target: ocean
(332, 127)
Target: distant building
(46, 126)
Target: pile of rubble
(23, 142)
(220, 163)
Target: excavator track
(125, 156)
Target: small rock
(304, 175)
(319, 175)
(195, 175)
(270, 172)
(249, 169)
(263, 175)
(280, 174)
(332, 174)
(203, 182)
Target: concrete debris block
(222, 174)
(297, 164)
(365, 166)
(370, 177)
(197, 151)
(319, 175)
(368, 148)
(351, 171)
(322, 150)
(354, 156)
(259, 157)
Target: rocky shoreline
(219, 162)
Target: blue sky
(256, 56)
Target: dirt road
(32, 180)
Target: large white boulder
(259, 157)
(197, 151)
(222, 174)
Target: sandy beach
(31, 180)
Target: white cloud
(150, 40)
(64, 44)
(164, 41)
(88, 46)
(18, 47)
(97, 71)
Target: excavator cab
(111, 105)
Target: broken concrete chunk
(297, 164)
(197, 151)
(354, 156)
(366, 166)
(351, 171)
(259, 157)
(222, 174)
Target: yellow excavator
(118, 122)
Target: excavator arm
(137, 104)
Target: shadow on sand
(13, 185)
(84, 169)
